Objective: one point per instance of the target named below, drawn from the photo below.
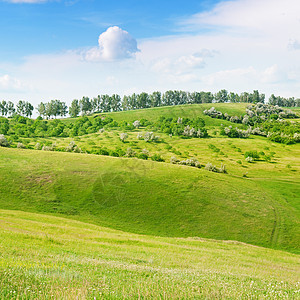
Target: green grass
(45, 257)
(89, 226)
(190, 111)
(153, 198)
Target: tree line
(107, 103)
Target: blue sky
(58, 25)
(69, 49)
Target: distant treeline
(107, 103)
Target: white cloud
(8, 83)
(230, 77)
(267, 16)
(114, 44)
(179, 65)
(293, 44)
(273, 75)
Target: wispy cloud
(268, 16)
(11, 84)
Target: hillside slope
(45, 257)
(152, 198)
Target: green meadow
(45, 257)
(79, 225)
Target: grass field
(45, 257)
(153, 198)
(84, 226)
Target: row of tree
(107, 103)
(22, 108)
(284, 102)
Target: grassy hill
(153, 198)
(83, 225)
(45, 257)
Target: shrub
(130, 152)
(253, 153)
(210, 167)
(249, 159)
(37, 146)
(123, 136)
(193, 162)
(20, 146)
(136, 124)
(174, 160)
(3, 141)
(235, 132)
(103, 151)
(150, 137)
(157, 157)
(72, 147)
(140, 136)
(142, 156)
(49, 148)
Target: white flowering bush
(235, 132)
(174, 160)
(245, 120)
(258, 131)
(212, 168)
(297, 137)
(72, 147)
(123, 136)
(192, 162)
(49, 148)
(20, 146)
(150, 137)
(37, 146)
(3, 141)
(249, 159)
(136, 124)
(140, 136)
(192, 132)
(130, 152)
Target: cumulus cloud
(114, 44)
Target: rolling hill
(85, 225)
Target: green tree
(155, 99)
(74, 109)
(115, 102)
(41, 109)
(28, 109)
(221, 96)
(10, 108)
(85, 105)
(21, 108)
(3, 108)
